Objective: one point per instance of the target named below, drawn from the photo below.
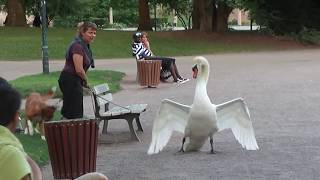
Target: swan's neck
(201, 95)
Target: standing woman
(73, 76)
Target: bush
(162, 23)
(100, 22)
(233, 22)
(68, 21)
(309, 36)
(115, 26)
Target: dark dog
(38, 112)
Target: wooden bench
(148, 72)
(103, 98)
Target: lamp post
(155, 16)
(44, 28)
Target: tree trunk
(222, 17)
(214, 16)
(16, 13)
(205, 9)
(195, 15)
(144, 16)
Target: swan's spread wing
(172, 116)
(235, 115)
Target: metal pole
(44, 28)
(155, 16)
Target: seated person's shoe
(182, 80)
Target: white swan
(202, 119)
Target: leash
(93, 93)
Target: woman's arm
(146, 44)
(78, 65)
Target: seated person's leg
(169, 64)
(173, 73)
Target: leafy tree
(207, 15)
(223, 9)
(17, 9)
(285, 16)
(212, 15)
(182, 8)
(125, 11)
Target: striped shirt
(139, 51)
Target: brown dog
(37, 111)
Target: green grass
(42, 83)
(25, 43)
(35, 147)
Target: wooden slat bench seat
(102, 100)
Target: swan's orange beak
(194, 71)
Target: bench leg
(133, 132)
(138, 123)
(105, 127)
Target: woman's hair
(84, 26)
(143, 33)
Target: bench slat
(134, 108)
(101, 88)
(104, 99)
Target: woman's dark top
(81, 48)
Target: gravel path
(280, 88)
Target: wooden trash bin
(72, 147)
(149, 72)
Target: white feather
(235, 115)
(171, 117)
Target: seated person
(141, 52)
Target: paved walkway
(280, 88)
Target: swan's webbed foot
(213, 151)
(181, 149)
(211, 144)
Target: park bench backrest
(102, 97)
